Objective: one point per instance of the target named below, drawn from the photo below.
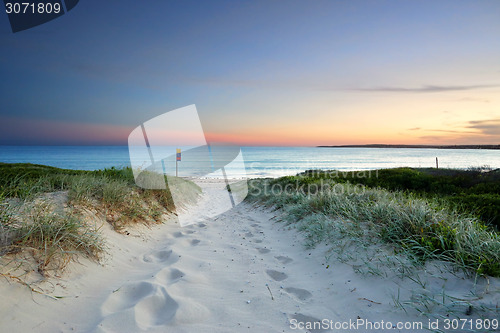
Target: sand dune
(237, 272)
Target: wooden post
(437, 164)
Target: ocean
(265, 161)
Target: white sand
(214, 277)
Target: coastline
(488, 147)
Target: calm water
(265, 161)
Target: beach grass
(421, 227)
(112, 189)
(51, 237)
(475, 190)
(32, 220)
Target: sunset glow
(260, 73)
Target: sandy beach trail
(238, 272)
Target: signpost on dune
(177, 160)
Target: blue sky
(260, 72)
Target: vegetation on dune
(112, 190)
(30, 221)
(423, 226)
(51, 237)
(475, 191)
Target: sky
(261, 73)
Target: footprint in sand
(190, 232)
(127, 296)
(258, 241)
(275, 275)
(195, 242)
(169, 275)
(248, 234)
(155, 310)
(163, 256)
(284, 260)
(177, 234)
(202, 225)
(255, 225)
(301, 294)
(263, 250)
(301, 318)
(149, 304)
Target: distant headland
(417, 146)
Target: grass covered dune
(166, 278)
(442, 214)
(424, 214)
(44, 218)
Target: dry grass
(40, 234)
(50, 237)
